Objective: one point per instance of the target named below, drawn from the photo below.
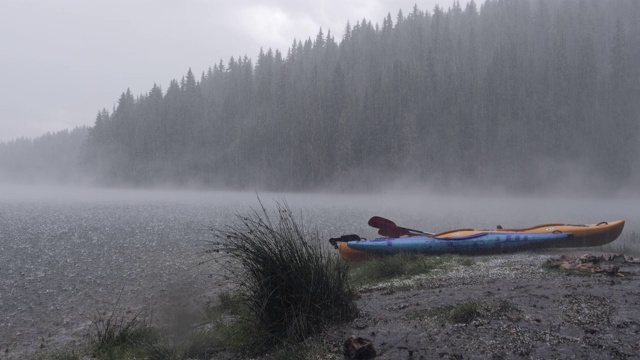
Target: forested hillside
(51, 158)
(519, 93)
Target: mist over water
(66, 253)
(413, 207)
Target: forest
(52, 158)
(521, 94)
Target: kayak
(474, 242)
(588, 235)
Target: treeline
(521, 93)
(50, 158)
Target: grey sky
(62, 61)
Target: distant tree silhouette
(512, 93)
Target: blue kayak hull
(482, 243)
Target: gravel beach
(543, 314)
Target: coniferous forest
(516, 93)
(49, 159)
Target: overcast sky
(61, 61)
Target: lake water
(66, 254)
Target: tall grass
(119, 334)
(292, 286)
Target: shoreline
(544, 313)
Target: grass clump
(290, 285)
(464, 313)
(403, 265)
(130, 335)
(117, 330)
(59, 355)
(467, 312)
(119, 335)
(194, 344)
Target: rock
(608, 269)
(588, 259)
(358, 348)
(565, 265)
(603, 264)
(631, 260)
(614, 258)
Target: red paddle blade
(393, 232)
(380, 222)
